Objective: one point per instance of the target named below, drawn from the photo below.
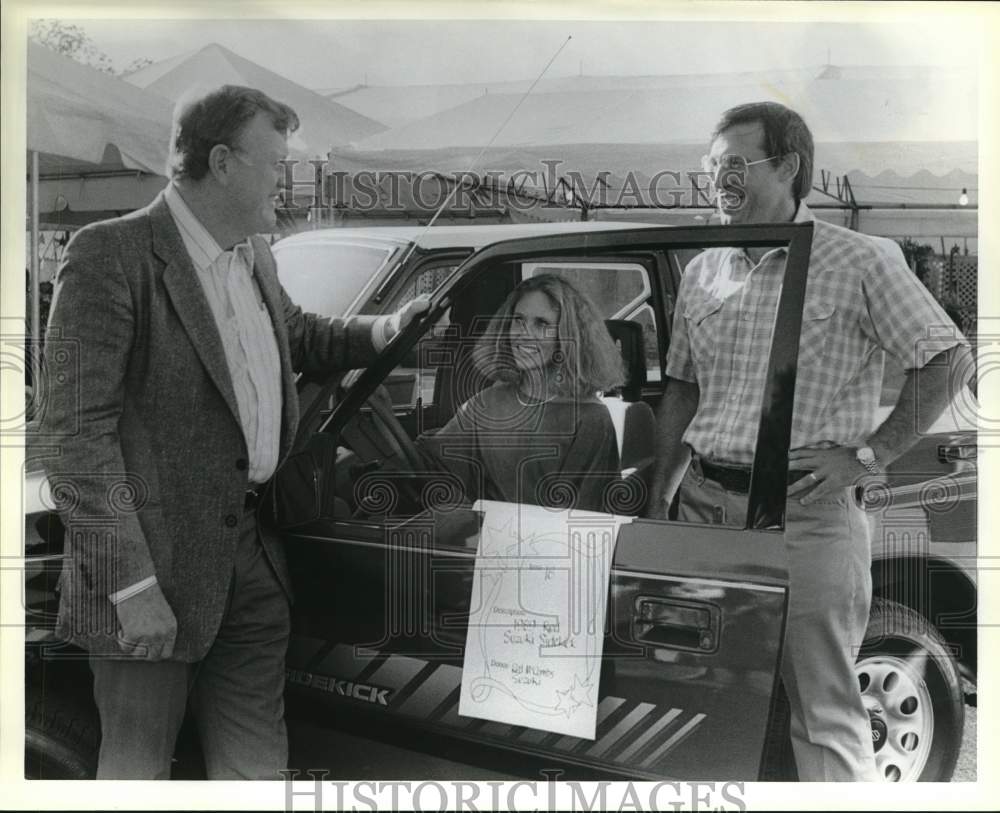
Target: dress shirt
(248, 339)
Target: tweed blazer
(151, 469)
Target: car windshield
(325, 278)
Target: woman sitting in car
(539, 434)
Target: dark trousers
(235, 692)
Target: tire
(912, 690)
(61, 737)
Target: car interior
(423, 392)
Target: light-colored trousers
(235, 692)
(829, 575)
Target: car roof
(473, 237)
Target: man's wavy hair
(586, 359)
(203, 119)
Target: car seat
(459, 378)
(633, 419)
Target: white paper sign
(536, 625)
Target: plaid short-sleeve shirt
(861, 299)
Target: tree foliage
(918, 256)
(72, 41)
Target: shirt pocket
(817, 322)
(704, 320)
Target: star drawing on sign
(580, 692)
(567, 703)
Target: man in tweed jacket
(177, 408)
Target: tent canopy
(85, 121)
(396, 105)
(920, 105)
(912, 130)
(102, 143)
(323, 123)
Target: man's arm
(926, 393)
(675, 413)
(904, 319)
(319, 343)
(92, 313)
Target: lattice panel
(966, 279)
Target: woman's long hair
(585, 360)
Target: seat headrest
(628, 336)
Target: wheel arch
(940, 591)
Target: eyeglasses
(730, 163)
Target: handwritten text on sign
(536, 625)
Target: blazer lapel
(266, 274)
(184, 288)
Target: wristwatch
(866, 457)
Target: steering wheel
(389, 427)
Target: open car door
(695, 614)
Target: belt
(736, 478)
(252, 498)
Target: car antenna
(482, 152)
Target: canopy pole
(35, 266)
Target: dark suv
(689, 682)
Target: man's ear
(220, 162)
(788, 167)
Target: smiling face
(761, 194)
(534, 331)
(256, 176)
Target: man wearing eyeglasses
(861, 299)
(179, 407)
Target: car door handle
(676, 624)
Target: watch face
(866, 455)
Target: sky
(324, 54)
